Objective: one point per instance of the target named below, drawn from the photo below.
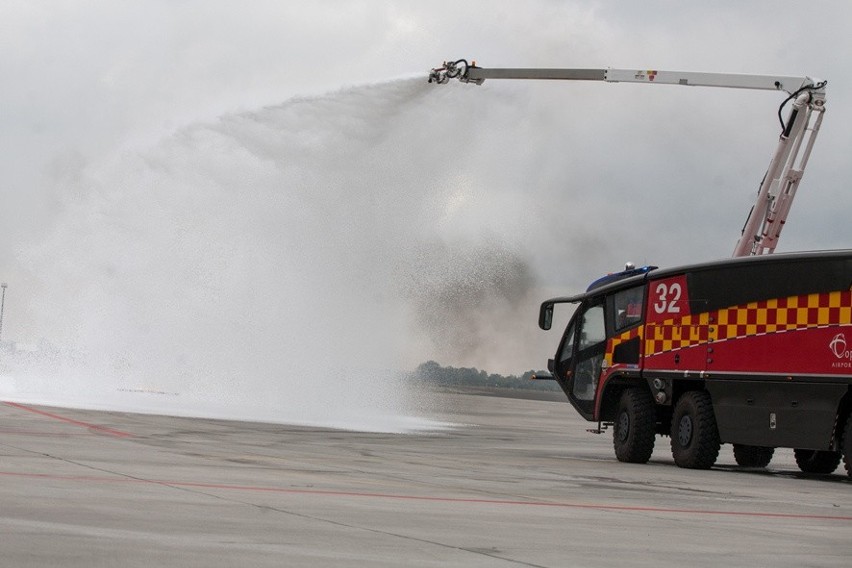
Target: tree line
(436, 374)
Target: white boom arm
(778, 188)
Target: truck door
(677, 328)
(578, 367)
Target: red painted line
(563, 505)
(101, 429)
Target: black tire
(753, 456)
(846, 444)
(695, 438)
(634, 432)
(817, 461)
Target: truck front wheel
(753, 456)
(847, 445)
(817, 461)
(695, 438)
(635, 426)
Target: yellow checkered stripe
(777, 315)
(617, 340)
(677, 333)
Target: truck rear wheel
(635, 426)
(816, 461)
(753, 456)
(695, 438)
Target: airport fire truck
(755, 351)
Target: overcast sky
(572, 180)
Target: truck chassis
(752, 351)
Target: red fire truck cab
(752, 351)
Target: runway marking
(90, 426)
(282, 490)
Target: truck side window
(592, 331)
(627, 305)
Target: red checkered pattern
(757, 318)
(677, 333)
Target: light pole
(2, 307)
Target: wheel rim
(684, 433)
(623, 426)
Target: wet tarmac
(517, 483)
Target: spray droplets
(273, 265)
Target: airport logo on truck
(840, 349)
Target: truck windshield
(588, 369)
(567, 346)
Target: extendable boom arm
(798, 134)
(472, 74)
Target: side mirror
(545, 316)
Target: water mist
(281, 265)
